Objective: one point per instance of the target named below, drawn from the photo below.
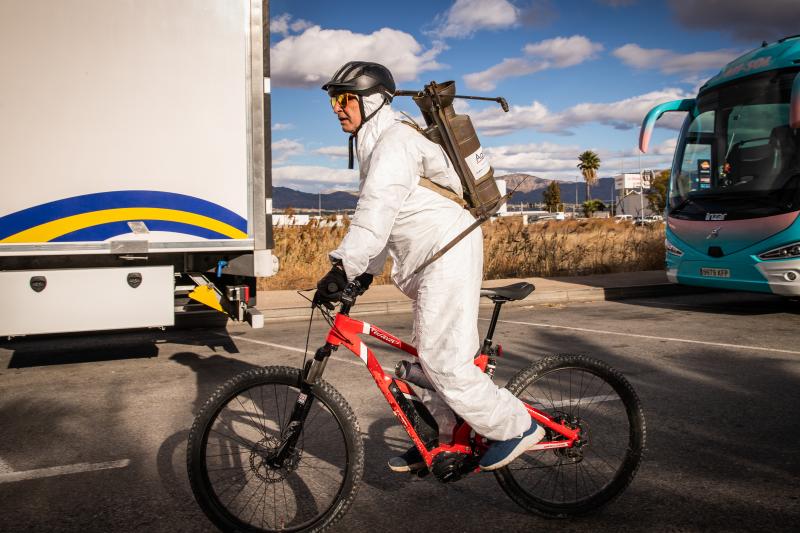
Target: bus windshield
(738, 156)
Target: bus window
(695, 173)
(751, 155)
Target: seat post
(487, 341)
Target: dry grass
(511, 250)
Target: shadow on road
(47, 350)
(722, 303)
(711, 418)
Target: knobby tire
(552, 484)
(238, 427)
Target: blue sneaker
(502, 452)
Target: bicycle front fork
(302, 406)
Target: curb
(588, 294)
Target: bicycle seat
(515, 291)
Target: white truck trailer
(135, 162)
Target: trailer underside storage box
(58, 301)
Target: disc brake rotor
(260, 457)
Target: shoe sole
(534, 439)
(408, 468)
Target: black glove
(330, 287)
(365, 280)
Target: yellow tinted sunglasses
(342, 99)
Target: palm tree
(589, 164)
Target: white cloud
(283, 24)
(333, 151)
(310, 58)
(670, 62)
(316, 178)
(281, 126)
(563, 52)
(283, 149)
(546, 160)
(465, 17)
(556, 161)
(622, 114)
(560, 52)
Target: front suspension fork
(302, 406)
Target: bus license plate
(715, 272)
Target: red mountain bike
(279, 449)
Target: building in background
(630, 193)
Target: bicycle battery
(421, 419)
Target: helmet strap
(350, 158)
(350, 151)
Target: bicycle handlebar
(352, 291)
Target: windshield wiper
(686, 201)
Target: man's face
(347, 111)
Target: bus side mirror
(654, 114)
(794, 106)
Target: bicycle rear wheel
(240, 428)
(590, 395)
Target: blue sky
(577, 74)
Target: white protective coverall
(395, 214)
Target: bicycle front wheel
(239, 430)
(589, 395)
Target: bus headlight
(784, 252)
(671, 248)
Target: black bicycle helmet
(363, 78)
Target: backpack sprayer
(457, 136)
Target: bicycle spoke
(311, 479)
(569, 478)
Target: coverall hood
(368, 134)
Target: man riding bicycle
(397, 216)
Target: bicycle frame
(345, 332)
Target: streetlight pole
(575, 207)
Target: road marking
(78, 468)
(652, 337)
(573, 401)
(265, 343)
(298, 350)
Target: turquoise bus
(734, 192)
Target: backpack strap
(444, 191)
(447, 192)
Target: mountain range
(530, 190)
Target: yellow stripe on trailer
(56, 228)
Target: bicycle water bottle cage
(515, 291)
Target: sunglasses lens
(340, 99)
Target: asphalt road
(93, 428)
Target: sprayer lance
(500, 100)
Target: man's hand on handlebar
(365, 280)
(330, 287)
(333, 284)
